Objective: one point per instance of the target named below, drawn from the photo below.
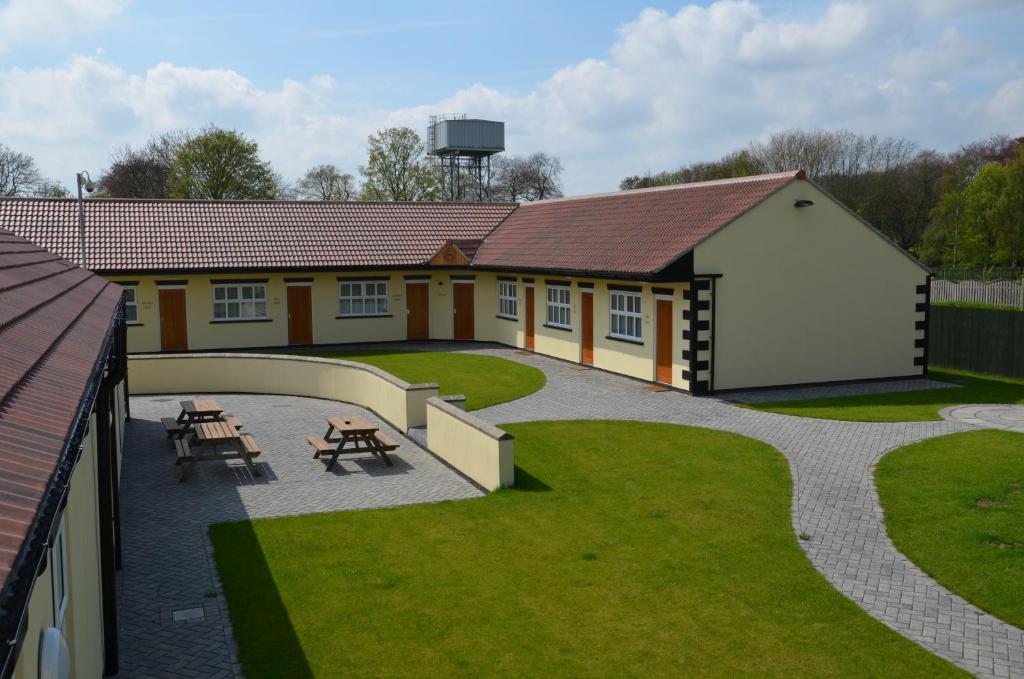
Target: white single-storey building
(740, 283)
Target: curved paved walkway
(834, 501)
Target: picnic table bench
(198, 410)
(206, 438)
(363, 435)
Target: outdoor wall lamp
(803, 202)
(84, 181)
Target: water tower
(463, 147)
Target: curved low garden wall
(474, 447)
(478, 449)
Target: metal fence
(982, 340)
(1006, 293)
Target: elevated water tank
(466, 137)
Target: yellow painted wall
(83, 619)
(401, 404)
(204, 333)
(476, 448)
(809, 295)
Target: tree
(396, 168)
(511, 178)
(136, 173)
(48, 188)
(19, 175)
(544, 176)
(326, 182)
(220, 164)
(144, 172)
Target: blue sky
(613, 88)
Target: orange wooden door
(587, 321)
(663, 345)
(300, 314)
(529, 317)
(462, 306)
(417, 307)
(173, 323)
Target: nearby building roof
(624, 233)
(54, 321)
(182, 235)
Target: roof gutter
(31, 560)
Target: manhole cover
(186, 614)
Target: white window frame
(133, 304)
(508, 306)
(559, 306)
(59, 575)
(238, 289)
(363, 299)
(626, 314)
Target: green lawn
(484, 380)
(977, 305)
(955, 506)
(908, 406)
(626, 549)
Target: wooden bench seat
(232, 420)
(320, 445)
(385, 440)
(182, 449)
(250, 445)
(172, 426)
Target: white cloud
(673, 88)
(22, 21)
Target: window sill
(627, 340)
(242, 320)
(563, 328)
(342, 318)
(507, 318)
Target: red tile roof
(54, 319)
(624, 233)
(173, 235)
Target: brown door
(587, 317)
(173, 326)
(462, 306)
(529, 317)
(417, 308)
(663, 345)
(300, 314)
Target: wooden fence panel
(982, 340)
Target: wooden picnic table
(207, 437)
(198, 410)
(363, 435)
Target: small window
(131, 305)
(59, 569)
(559, 310)
(363, 298)
(239, 302)
(626, 316)
(507, 299)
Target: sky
(614, 88)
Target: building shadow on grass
(527, 482)
(267, 643)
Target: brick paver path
(168, 561)
(835, 502)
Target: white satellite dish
(54, 657)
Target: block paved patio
(168, 564)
